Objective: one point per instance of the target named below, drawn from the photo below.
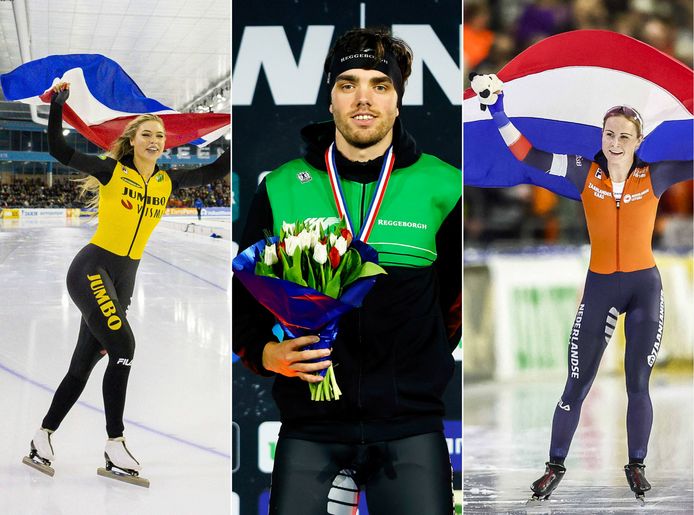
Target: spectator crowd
(64, 193)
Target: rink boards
(519, 309)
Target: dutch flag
(556, 93)
(103, 99)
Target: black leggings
(638, 294)
(100, 284)
(410, 476)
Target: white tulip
(288, 228)
(320, 253)
(270, 256)
(333, 239)
(290, 244)
(304, 239)
(315, 236)
(341, 245)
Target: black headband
(365, 59)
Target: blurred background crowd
(34, 193)
(494, 32)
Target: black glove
(61, 96)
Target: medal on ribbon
(376, 201)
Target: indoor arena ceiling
(176, 50)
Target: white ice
(507, 433)
(178, 407)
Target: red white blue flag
(556, 93)
(103, 99)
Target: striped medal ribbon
(376, 201)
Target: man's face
(364, 105)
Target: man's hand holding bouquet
(308, 277)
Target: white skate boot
(120, 464)
(41, 452)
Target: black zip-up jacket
(393, 355)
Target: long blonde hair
(89, 186)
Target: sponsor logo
(296, 79)
(159, 177)
(640, 173)
(108, 309)
(325, 222)
(598, 173)
(304, 177)
(131, 182)
(402, 223)
(268, 433)
(126, 203)
(565, 407)
(124, 362)
(601, 194)
(154, 207)
(361, 56)
(148, 200)
(579, 161)
(633, 197)
(658, 335)
(573, 343)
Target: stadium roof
(178, 51)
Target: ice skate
(41, 452)
(543, 487)
(120, 464)
(638, 483)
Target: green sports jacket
(392, 357)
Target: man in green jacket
(392, 357)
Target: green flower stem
(327, 389)
(333, 382)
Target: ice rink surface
(178, 407)
(507, 432)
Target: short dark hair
(380, 40)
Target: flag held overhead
(556, 93)
(104, 98)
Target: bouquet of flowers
(308, 277)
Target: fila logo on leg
(125, 362)
(565, 407)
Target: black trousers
(410, 476)
(100, 284)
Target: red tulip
(334, 256)
(346, 235)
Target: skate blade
(38, 466)
(122, 476)
(536, 502)
(641, 499)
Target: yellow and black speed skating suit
(101, 278)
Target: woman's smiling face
(620, 139)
